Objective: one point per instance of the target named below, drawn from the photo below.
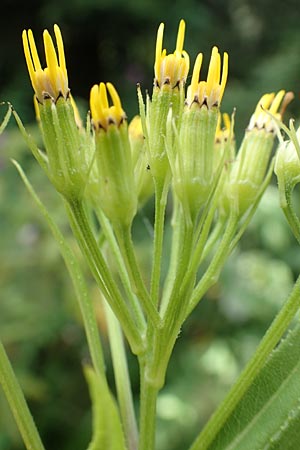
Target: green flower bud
(66, 153)
(142, 175)
(171, 71)
(117, 193)
(247, 173)
(66, 145)
(192, 160)
(287, 164)
(224, 141)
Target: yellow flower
(171, 70)
(209, 92)
(267, 105)
(51, 82)
(223, 133)
(104, 115)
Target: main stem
(148, 389)
(271, 338)
(18, 405)
(148, 398)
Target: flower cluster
(180, 140)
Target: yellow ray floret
(172, 69)
(102, 113)
(52, 81)
(223, 129)
(267, 105)
(209, 92)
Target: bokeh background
(114, 40)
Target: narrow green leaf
(5, 120)
(18, 404)
(107, 429)
(81, 290)
(39, 156)
(268, 415)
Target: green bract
(68, 152)
(117, 194)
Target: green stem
(122, 379)
(172, 313)
(126, 246)
(267, 344)
(186, 278)
(148, 398)
(213, 270)
(161, 194)
(177, 230)
(18, 405)
(81, 290)
(164, 340)
(291, 215)
(115, 249)
(212, 239)
(88, 244)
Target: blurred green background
(39, 321)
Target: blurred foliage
(39, 322)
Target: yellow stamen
(104, 115)
(53, 80)
(171, 69)
(209, 92)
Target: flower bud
(247, 173)
(117, 194)
(287, 164)
(192, 162)
(142, 175)
(67, 155)
(171, 71)
(224, 140)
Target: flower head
(209, 92)
(51, 82)
(267, 106)
(171, 70)
(104, 115)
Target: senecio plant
(180, 149)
